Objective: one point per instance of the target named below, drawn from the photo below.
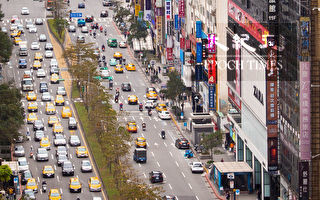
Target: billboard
(199, 52)
(211, 43)
(199, 72)
(304, 180)
(159, 29)
(212, 71)
(136, 10)
(304, 40)
(181, 8)
(182, 43)
(168, 9)
(305, 113)
(148, 15)
(198, 29)
(211, 97)
(169, 54)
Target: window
(248, 156)
(248, 3)
(266, 183)
(240, 149)
(257, 173)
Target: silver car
(84, 29)
(59, 140)
(48, 46)
(41, 73)
(74, 140)
(48, 54)
(33, 29)
(86, 166)
(19, 151)
(23, 164)
(38, 21)
(35, 46)
(25, 11)
(42, 38)
(42, 154)
(46, 96)
(61, 90)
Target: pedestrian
(221, 160)
(259, 194)
(156, 73)
(228, 195)
(159, 69)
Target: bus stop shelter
(232, 175)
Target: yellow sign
(159, 29)
(136, 10)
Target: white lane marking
(190, 186)
(52, 156)
(28, 129)
(152, 153)
(58, 178)
(170, 154)
(41, 103)
(139, 165)
(197, 198)
(145, 176)
(164, 175)
(23, 104)
(41, 113)
(38, 179)
(55, 167)
(165, 144)
(158, 163)
(183, 174)
(154, 126)
(170, 186)
(142, 134)
(70, 156)
(61, 191)
(177, 164)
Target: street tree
(137, 30)
(11, 113)
(175, 87)
(5, 175)
(212, 140)
(5, 43)
(121, 13)
(59, 9)
(79, 52)
(1, 13)
(60, 24)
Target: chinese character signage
(182, 43)
(176, 22)
(304, 180)
(212, 69)
(211, 43)
(169, 54)
(148, 4)
(199, 52)
(170, 27)
(168, 9)
(304, 41)
(159, 29)
(305, 115)
(136, 10)
(211, 97)
(198, 29)
(181, 8)
(272, 10)
(199, 72)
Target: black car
(126, 87)
(61, 159)
(169, 197)
(67, 168)
(104, 13)
(38, 135)
(22, 63)
(156, 177)
(89, 18)
(106, 3)
(81, 5)
(43, 87)
(182, 143)
(38, 125)
(25, 176)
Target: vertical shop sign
(170, 27)
(272, 10)
(199, 52)
(159, 29)
(199, 72)
(136, 10)
(305, 116)
(237, 64)
(158, 3)
(304, 41)
(304, 180)
(212, 77)
(181, 8)
(198, 29)
(211, 97)
(168, 9)
(272, 105)
(148, 4)
(182, 43)
(211, 43)
(169, 54)
(176, 22)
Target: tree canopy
(211, 140)
(11, 112)
(5, 43)
(175, 86)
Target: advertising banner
(136, 10)
(198, 29)
(188, 58)
(182, 43)
(272, 10)
(212, 77)
(158, 3)
(199, 52)
(170, 27)
(211, 43)
(305, 113)
(272, 105)
(168, 9)
(304, 180)
(212, 97)
(176, 22)
(304, 41)
(169, 54)
(199, 72)
(238, 68)
(148, 4)
(159, 29)
(234, 99)
(147, 15)
(181, 8)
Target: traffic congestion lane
(159, 160)
(59, 181)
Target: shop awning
(232, 167)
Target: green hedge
(54, 31)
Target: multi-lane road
(162, 154)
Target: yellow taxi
(118, 69)
(32, 185)
(52, 120)
(152, 95)
(31, 96)
(47, 171)
(75, 185)
(132, 99)
(17, 40)
(141, 142)
(94, 184)
(130, 67)
(57, 128)
(54, 78)
(117, 55)
(59, 101)
(15, 33)
(31, 118)
(161, 107)
(66, 112)
(36, 64)
(132, 127)
(50, 109)
(32, 107)
(81, 152)
(45, 143)
(54, 194)
(38, 56)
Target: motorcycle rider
(121, 106)
(103, 47)
(140, 106)
(149, 112)
(144, 125)
(163, 134)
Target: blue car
(22, 63)
(113, 62)
(81, 5)
(81, 22)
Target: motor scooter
(150, 113)
(44, 187)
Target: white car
(84, 29)
(13, 27)
(46, 96)
(25, 11)
(48, 54)
(123, 44)
(48, 46)
(29, 23)
(42, 38)
(38, 21)
(196, 167)
(41, 73)
(35, 46)
(150, 104)
(33, 29)
(104, 73)
(4, 29)
(23, 164)
(61, 90)
(164, 115)
(53, 63)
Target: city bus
(49, 4)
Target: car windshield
(132, 125)
(23, 163)
(55, 194)
(141, 140)
(67, 164)
(74, 137)
(81, 149)
(31, 183)
(197, 165)
(39, 133)
(59, 136)
(86, 163)
(95, 182)
(45, 141)
(66, 110)
(57, 126)
(19, 148)
(47, 169)
(75, 183)
(27, 174)
(42, 151)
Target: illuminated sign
(169, 54)
(212, 76)
(181, 8)
(199, 52)
(198, 29)
(159, 29)
(211, 97)
(168, 9)
(211, 43)
(136, 10)
(304, 39)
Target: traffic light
(204, 48)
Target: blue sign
(15, 180)
(75, 14)
(211, 97)
(198, 29)
(198, 72)
(176, 22)
(199, 52)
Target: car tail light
(180, 142)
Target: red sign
(188, 44)
(169, 54)
(182, 43)
(212, 69)
(247, 22)
(181, 8)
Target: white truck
(27, 84)
(23, 48)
